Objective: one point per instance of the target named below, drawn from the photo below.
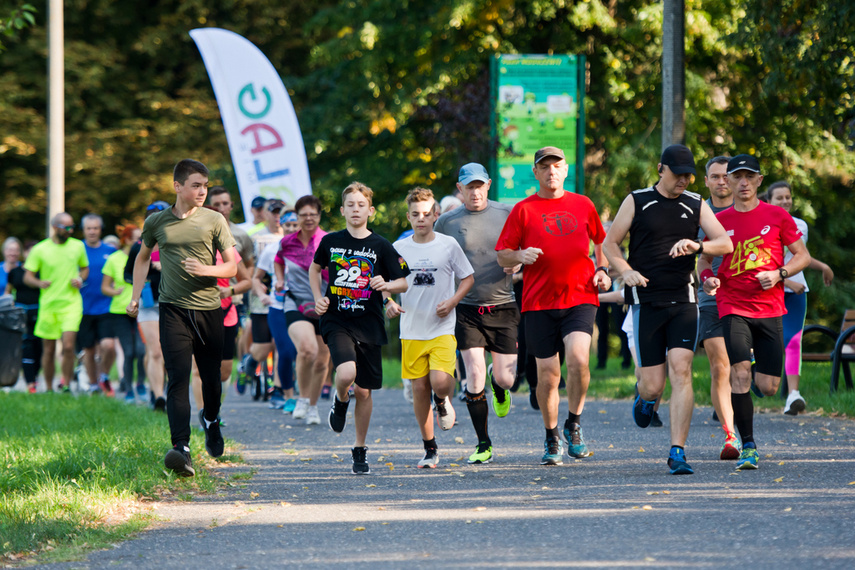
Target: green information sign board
(537, 101)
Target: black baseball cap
(258, 202)
(743, 162)
(276, 205)
(679, 159)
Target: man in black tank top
(663, 222)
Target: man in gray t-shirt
(487, 317)
(709, 325)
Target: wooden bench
(843, 353)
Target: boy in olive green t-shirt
(191, 319)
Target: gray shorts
(149, 314)
(709, 324)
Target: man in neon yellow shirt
(62, 267)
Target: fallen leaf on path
(284, 504)
(780, 463)
(778, 480)
(480, 509)
(381, 508)
(453, 465)
(459, 440)
(652, 492)
(788, 509)
(305, 459)
(335, 456)
(458, 473)
(641, 450)
(602, 412)
(666, 492)
(292, 439)
(647, 508)
(253, 494)
(378, 440)
(371, 485)
(359, 528)
(611, 446)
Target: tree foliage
(397, 94)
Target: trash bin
(13, 325)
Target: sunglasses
(155, 208)
(66, 228)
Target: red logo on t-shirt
(560, 223)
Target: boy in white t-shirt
(428, 316)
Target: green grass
(75, 468)
(614, 383)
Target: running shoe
(656, 421)
(129, 397)
(462, 394)
(575, 442)
(748, 458)
(104, 384)
(755, 389)
(93, 389)
(63, 387)
(552, 452)
(483, 454)
(326, 391)
(213, 437)
(31, 388)
(360, 463)
(160, 405)
(240, 383)
(338, 416)
(730, 448)
(277, 400)
(795, 404)
(445, 414)
(677, 462)
(430, 460)
(532, 399)
(301, 408)
(408, 390)
(288, 407)
(142, 393)
(312, 416)
(178, 460)
(715, 417)
(501, 408)
(642, 410)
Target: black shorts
(292, 317)
(765, 336)
(491, 327)
(368, 358)
(260, 328)
(93, 328)
(230, 341)
(545, 330)
(660, 327)
(709, 323)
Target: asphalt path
(619, 508)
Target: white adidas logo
(684, 216)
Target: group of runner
(322, 297)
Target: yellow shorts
(419, 357)
(53, 322)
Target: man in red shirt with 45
(749, 291)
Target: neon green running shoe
(501, 408)
(483, 454)
(748, 458)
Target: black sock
(477, 405)
(743, 416)
(498, 391)
(552, 433)
(573, 418)
(430, 443)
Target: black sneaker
(178, 460)
(213, 437)
(159, 405)
(532, 399)
(360, 464)
(656, 421)
(338, 419)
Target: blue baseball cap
(471, 172)
(258, 202)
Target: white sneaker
(312, 416)
(430, 460)
(795, 404)
(445, 414)
(301, 408)
(408, 390)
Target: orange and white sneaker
(730, 449)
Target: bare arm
(710, 282)
(279, 271)
(107, 287)
(225, 270)
(322, 303)
(718, 242)
(244, 281)
(33, 281)
(379, 283)
(827, 273)
(800, 260)
(611, 246)
(141, 266)
(509, 258)
(445, 307)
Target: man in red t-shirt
(749, 290)
(550, 233)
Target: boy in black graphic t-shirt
(361, 266)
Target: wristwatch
(700, 247)
(784, 273)
(603, 269)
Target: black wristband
(700, 247)
(602, 268)
(386, 301)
